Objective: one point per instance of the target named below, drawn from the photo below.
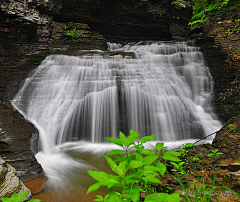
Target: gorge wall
(30, 30)
(222, 53)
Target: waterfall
(151, 87)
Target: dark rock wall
(137, 19)
(222, 53)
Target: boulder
(10, 183)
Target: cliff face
(137, 19)
(23, 32)
(221, 48)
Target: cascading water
(153, 88)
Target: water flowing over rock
(154, 88)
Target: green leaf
(99, 198)
(122, 168)
(189, 145)
(138, 155)
(98, 175)
(94, 187)
(159, 147)
(174, 164)
(174, 197)
(21, 196)
(149, 152)
(106, 197)
(130, 139)
(114, 197)
(174, 153)
(115, 141)
(6, 200)
(153, 180)
(163, 197)
(35, 200)
(151, 168)
(134, 192)
(114, 152)
(134, 178)
(16, 196)
(148, 160)
(102, 176)
(159, 197)
(148, 138)
(136, 164)
(177, 165)
(162, 167)
(112, 164)
(138, 147)
(181, 163)
(170, 156)
(122, 136)
(183, 172)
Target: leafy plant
(203, 10)
(214, 153)
(232, 128)
(18, 198)
(197, 193)
(74, 33)
(65, 26)
(237, 28)
(135, 171)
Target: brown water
(74, 194)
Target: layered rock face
(221, 49)
(24, 34)
(137, 19)
(10, 183)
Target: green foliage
(197, 193)
(74, 33)
(232, 128)
(237, 28)
(214, 153)
(135, 171)
(205, 9)
(65, 26)
(18, 198)
(180, 4)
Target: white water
(153, 88)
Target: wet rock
(172, 181)
(10, 183)
(15, 142)
(233, 167)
